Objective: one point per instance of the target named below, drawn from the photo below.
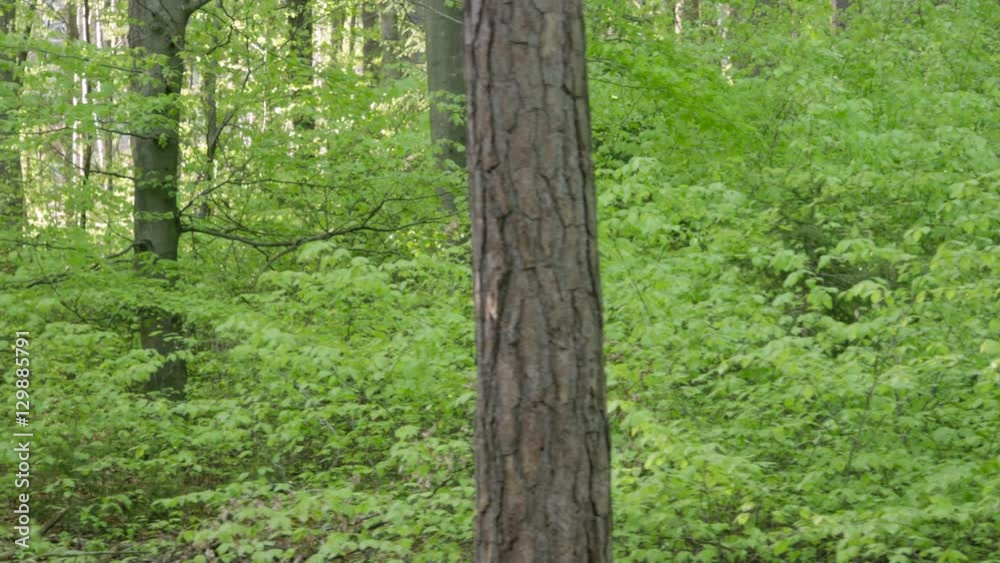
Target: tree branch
(193, 6)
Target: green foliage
(801, 271)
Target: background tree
(390, 37)
(371, 48)
(12, 203)
(445, 84)
(542, 444)
(300, 41)
(686, 14)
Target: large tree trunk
(12, 203)
(444, 76)
(157, 28)
(541, 444)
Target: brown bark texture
(541, 438)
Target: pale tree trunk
(81, 150)
(103, 144)
(445, 79)
(725, 17)
(839, 7)
(158, 28)
(541, 440)
(13, 210)
(70, 154)
(686, 13)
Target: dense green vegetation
(800, 245)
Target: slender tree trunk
(336, 37)
(300, 26)
(839, 7)
(542, 443)
(13, 210)
(370, 49)
(724, 20)
(686, 13)
(445, 82)
(158, 28)
(390, 44)
(71, 155)
(213, 129)
(82, 148)
(105, 147)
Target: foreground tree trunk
(445, 81)
(157, 28)
(541, 445)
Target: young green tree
(541, 442)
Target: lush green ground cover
(801, 268)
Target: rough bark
(157, 28)
(541, 437)
(839, 7)
(686, 13)
(445, 81)
(300, 40)
(12, 203)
